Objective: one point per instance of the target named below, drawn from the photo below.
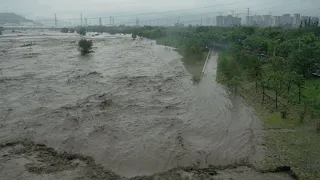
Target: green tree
(276, 83)
(303, 61)
(82, 31)
(85, 46)
(300, 81)
(263, 81)
(254, 69)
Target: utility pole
(100, 21)
(81, 18)
(137, 21)
(55, 19)
(248, 16)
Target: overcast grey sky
(65, 9)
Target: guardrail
(205, 64)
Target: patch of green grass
(288, 142)
(274, 121)
(299, 149)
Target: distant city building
(315, 20)
(296, 20)
(220, 21)
(237, 21)
(257, 20)
(285, 19)
(277, 21)
(309, 21)
(228, 21)
(267, 20)
(250, 20)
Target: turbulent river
(130, 107)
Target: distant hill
(12, 18)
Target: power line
(203, 7)
(161, 12)
(81, 18)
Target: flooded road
(131, 106)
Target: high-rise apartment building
(285, 19)
(296, 20)
(277, 21)
(220, 21)
(267, 20)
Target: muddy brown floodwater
(129, 110)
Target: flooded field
(129, 110)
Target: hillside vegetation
(12, 18)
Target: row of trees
(67, 30)
(288, 71)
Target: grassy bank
(291, 141)
(288, 142)
(193, 62)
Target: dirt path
(129, 109)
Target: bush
(85, 46)
(64, 30)
(82, 31)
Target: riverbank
(193, 62)
(289, 142)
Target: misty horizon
(71, 9)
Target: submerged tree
(85, 46)
(134, 36)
